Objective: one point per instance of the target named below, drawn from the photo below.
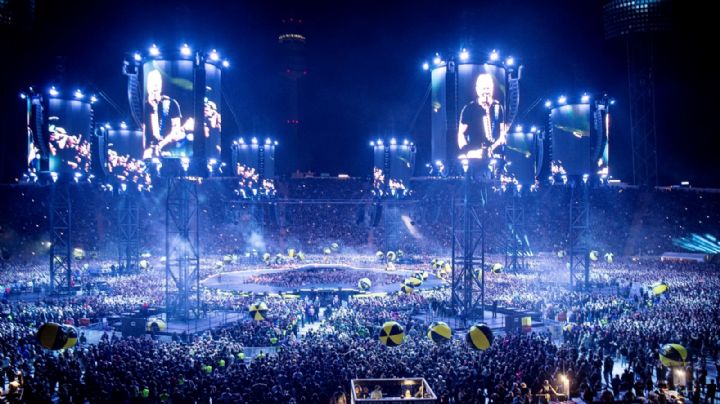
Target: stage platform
(242, 281)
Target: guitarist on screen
(162, 119)
(482, 127)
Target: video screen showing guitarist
(482, 129)
(164, 129)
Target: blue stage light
(464, 55)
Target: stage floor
(240, 281)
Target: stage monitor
(521, 153)
(481, 93)
(579, 135)
(168, 108)
(69, 129)
(212, 112)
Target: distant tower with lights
(292, 46)
(638, 22)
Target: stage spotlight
(464, 55)
(107, 126)
(406, 142)
(562, 100)
(268, 141)
(185, 50)
(23, 96)
(254, 140)
(93, 99)
(494, 56)
(548, 104)
(393, 141)
(123, 125)
(276, 143)
(79, 95)
(612, 102)
(214, 56)
(510, 61)
(533, 129)
(372, 143)
(585, 98)
(518, 128)
(225, 63)
(438, 163)
(54, 92)
(437, 59)
(137, 56)
(380, 142)
(154, 51)
(426, 66)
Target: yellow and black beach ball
(673, 355)
(392, 334)
(57, 336)
(364, 283)
(480, 336)
(439, 332)
(258, 311)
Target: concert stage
(314, 278)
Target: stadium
(183, 223)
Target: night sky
(364, 70)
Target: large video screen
(438, 117)
(570, 127)
(602, 145)
(124, 151)
(34, 132)
(69, 130)
(254, 165)
(378, 169)
(168, 108)
(393, 166)
(481, 110)
(212, 112)
(402, 167)
(520, 154)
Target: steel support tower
(182, 249)
(128, 225)
(578, 249)
(60, 236)
(515, 220)
(468, 247)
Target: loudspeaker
(513, 323)
(133, 326)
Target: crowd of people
(598, 344)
